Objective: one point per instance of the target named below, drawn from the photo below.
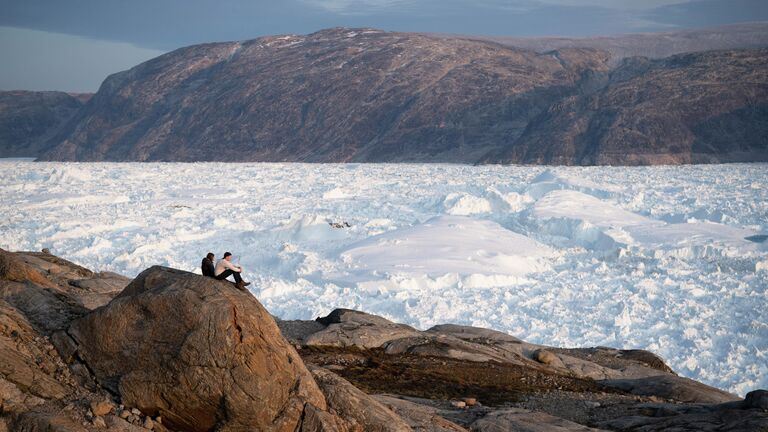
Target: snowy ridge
(662, 258)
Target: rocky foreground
(175, 351)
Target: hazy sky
(72, 45)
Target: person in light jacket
(225, 269)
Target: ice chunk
(465, 205)
(550, 180)
(593, 223)
(448, 245)
(310, 228)
(570, 204)
(336, 193)
(698, 239)
(585, 220)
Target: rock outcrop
(345, 327)
(523, 420)
(421, 418)
(198, 353)
(669, 386)
(359, 411)
(174, 351)
(28, 119)
(637, 372)
(38, 392)
(81, 351)
(50, 291)
(363, 95)
(733, 416)
(537, 387)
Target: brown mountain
(28, 119)
(336, 95)
(364, 95)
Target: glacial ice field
(672, 259)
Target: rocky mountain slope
(337, 95)
(28, 119)
(690, 108)
(174, 351)
(360, 95)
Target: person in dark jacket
(207, 266)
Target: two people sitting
(223, 269)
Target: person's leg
(238, 278)
(225, 274)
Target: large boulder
(361, 412)
(197, 352)
(345, 327)
(97, 290)
(14, 269)
(672, 387)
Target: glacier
(672, 259)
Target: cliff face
(345, 95)
(28, 119)
(691, 108)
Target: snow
(570, 204)
(465, 205)
(589, 221)
(549, 180)
(448, 245)
(668, 259)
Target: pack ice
(670, 259)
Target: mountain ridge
(400, 84)
(366, 95)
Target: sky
(72, 45)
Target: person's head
(210, 256)
(227, 256)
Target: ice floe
(449, 245)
